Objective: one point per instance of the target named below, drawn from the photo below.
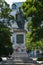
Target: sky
(11, 1)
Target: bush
(40, 59)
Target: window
(20, 38)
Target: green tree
(5, 40)
(33, 45)
(5, 11)
(5, 35)
(28, 39)
(34, 10)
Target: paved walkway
(20, 60)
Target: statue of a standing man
(20, 19)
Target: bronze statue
(20, 19)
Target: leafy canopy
(5, 34)
(34, 10)
(5, 11)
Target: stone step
(17, 64)
(19, 54)
(20, 61)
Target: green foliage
(5, 13)
(40, 59)
(33, 45)
(5, 40)
(34, 10)
(5, 34)
(28, 39)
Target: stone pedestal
(19, 41)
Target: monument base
(19, 51)
(19, 43)
(19, 54)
